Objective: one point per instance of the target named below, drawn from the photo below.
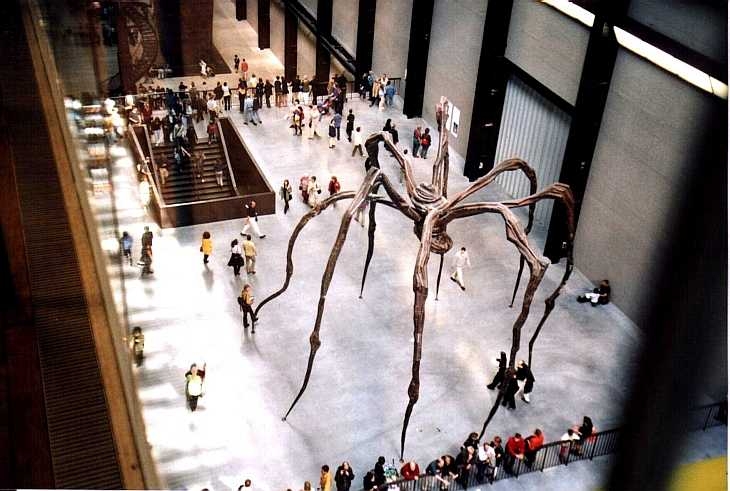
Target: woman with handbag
(285, 194)
(236, 260)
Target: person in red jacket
(533, 443)
(410, 471)
(515, 450)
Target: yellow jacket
(207, 246)
(249, 248)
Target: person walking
(194, 390)
(125, 242)
(251, 220)
(337, 118)
(277, 92)
(219, 167)
(249, 250)
(313, 191)
(147, 238)
(350, 125)
(332, 133)
(511, 390)
(245, 302)
(226, 97)
(146, 260)
(206, 247)
(333, 186)
(357, 142)
(236, 260)
(285, 193)
(344, 477)
(268, 90)
(325, 479)
(236, 62)
(303, 187)
(244, 69)
(526, 380)
(425, 142)
(460, 260)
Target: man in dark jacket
(511, 390)
(500, 371)
(524, 374)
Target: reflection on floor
(353, 408)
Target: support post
(593, 91)
(490, 91)
(365, 36)
(324, 28)
(264, 24)
(241, 9)
(291, 32)
(421, 17)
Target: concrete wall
(548, 45)
(277, 30)
(647, 134)
(306, 54)
(392, 33)
(344, 23)
(252, 14)
(311, 5)
(453, 61)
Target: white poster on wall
(454, 121)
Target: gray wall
(638, 172)
(453, 61)
(311, 5)
(706, 33)
(344, 23)
(252, 15)
(306, 54)
(277, 30)
(392, 33)
(548, 45)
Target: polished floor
(353, 407)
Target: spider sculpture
(431, 211)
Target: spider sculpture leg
(438, 278)
(562, 194)
(314, 341)
(292, 240)
(371, 244)
(420, 289)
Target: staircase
(137, 14)
(183, 187)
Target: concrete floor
(353, 407)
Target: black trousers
(227, 102)
(247, 312)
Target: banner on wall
(455, 118)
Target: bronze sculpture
(431, 212)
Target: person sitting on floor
(600, 295)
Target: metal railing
(707, 416)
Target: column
(421, 17)
(241, 9)
(264, 24)
(291, 32)
(324, 28)
(365, 35)
(490, 91)
(586, 124)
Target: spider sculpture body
(431, 211)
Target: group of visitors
(379, 91)
(513, 381)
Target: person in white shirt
(460, 260)
(567, 441)
(486, 462)
(226, 97)
(313, 191)
(357, 142)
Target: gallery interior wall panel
(344, 23)
(252, 14)
(637, 176)
(306, 53)
(453, 61)
(277, 29)
(534, 130)
(548, 45)
(311, 6)
(392, 33)
(701, 26)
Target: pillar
(421, 17)
(264, 24)
(291, 32)
(490, 90)
(241, 9)
(365, 35)
(324, 28)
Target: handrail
(201, 201)
(155, 170)
(228, 160)
(253, 160)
